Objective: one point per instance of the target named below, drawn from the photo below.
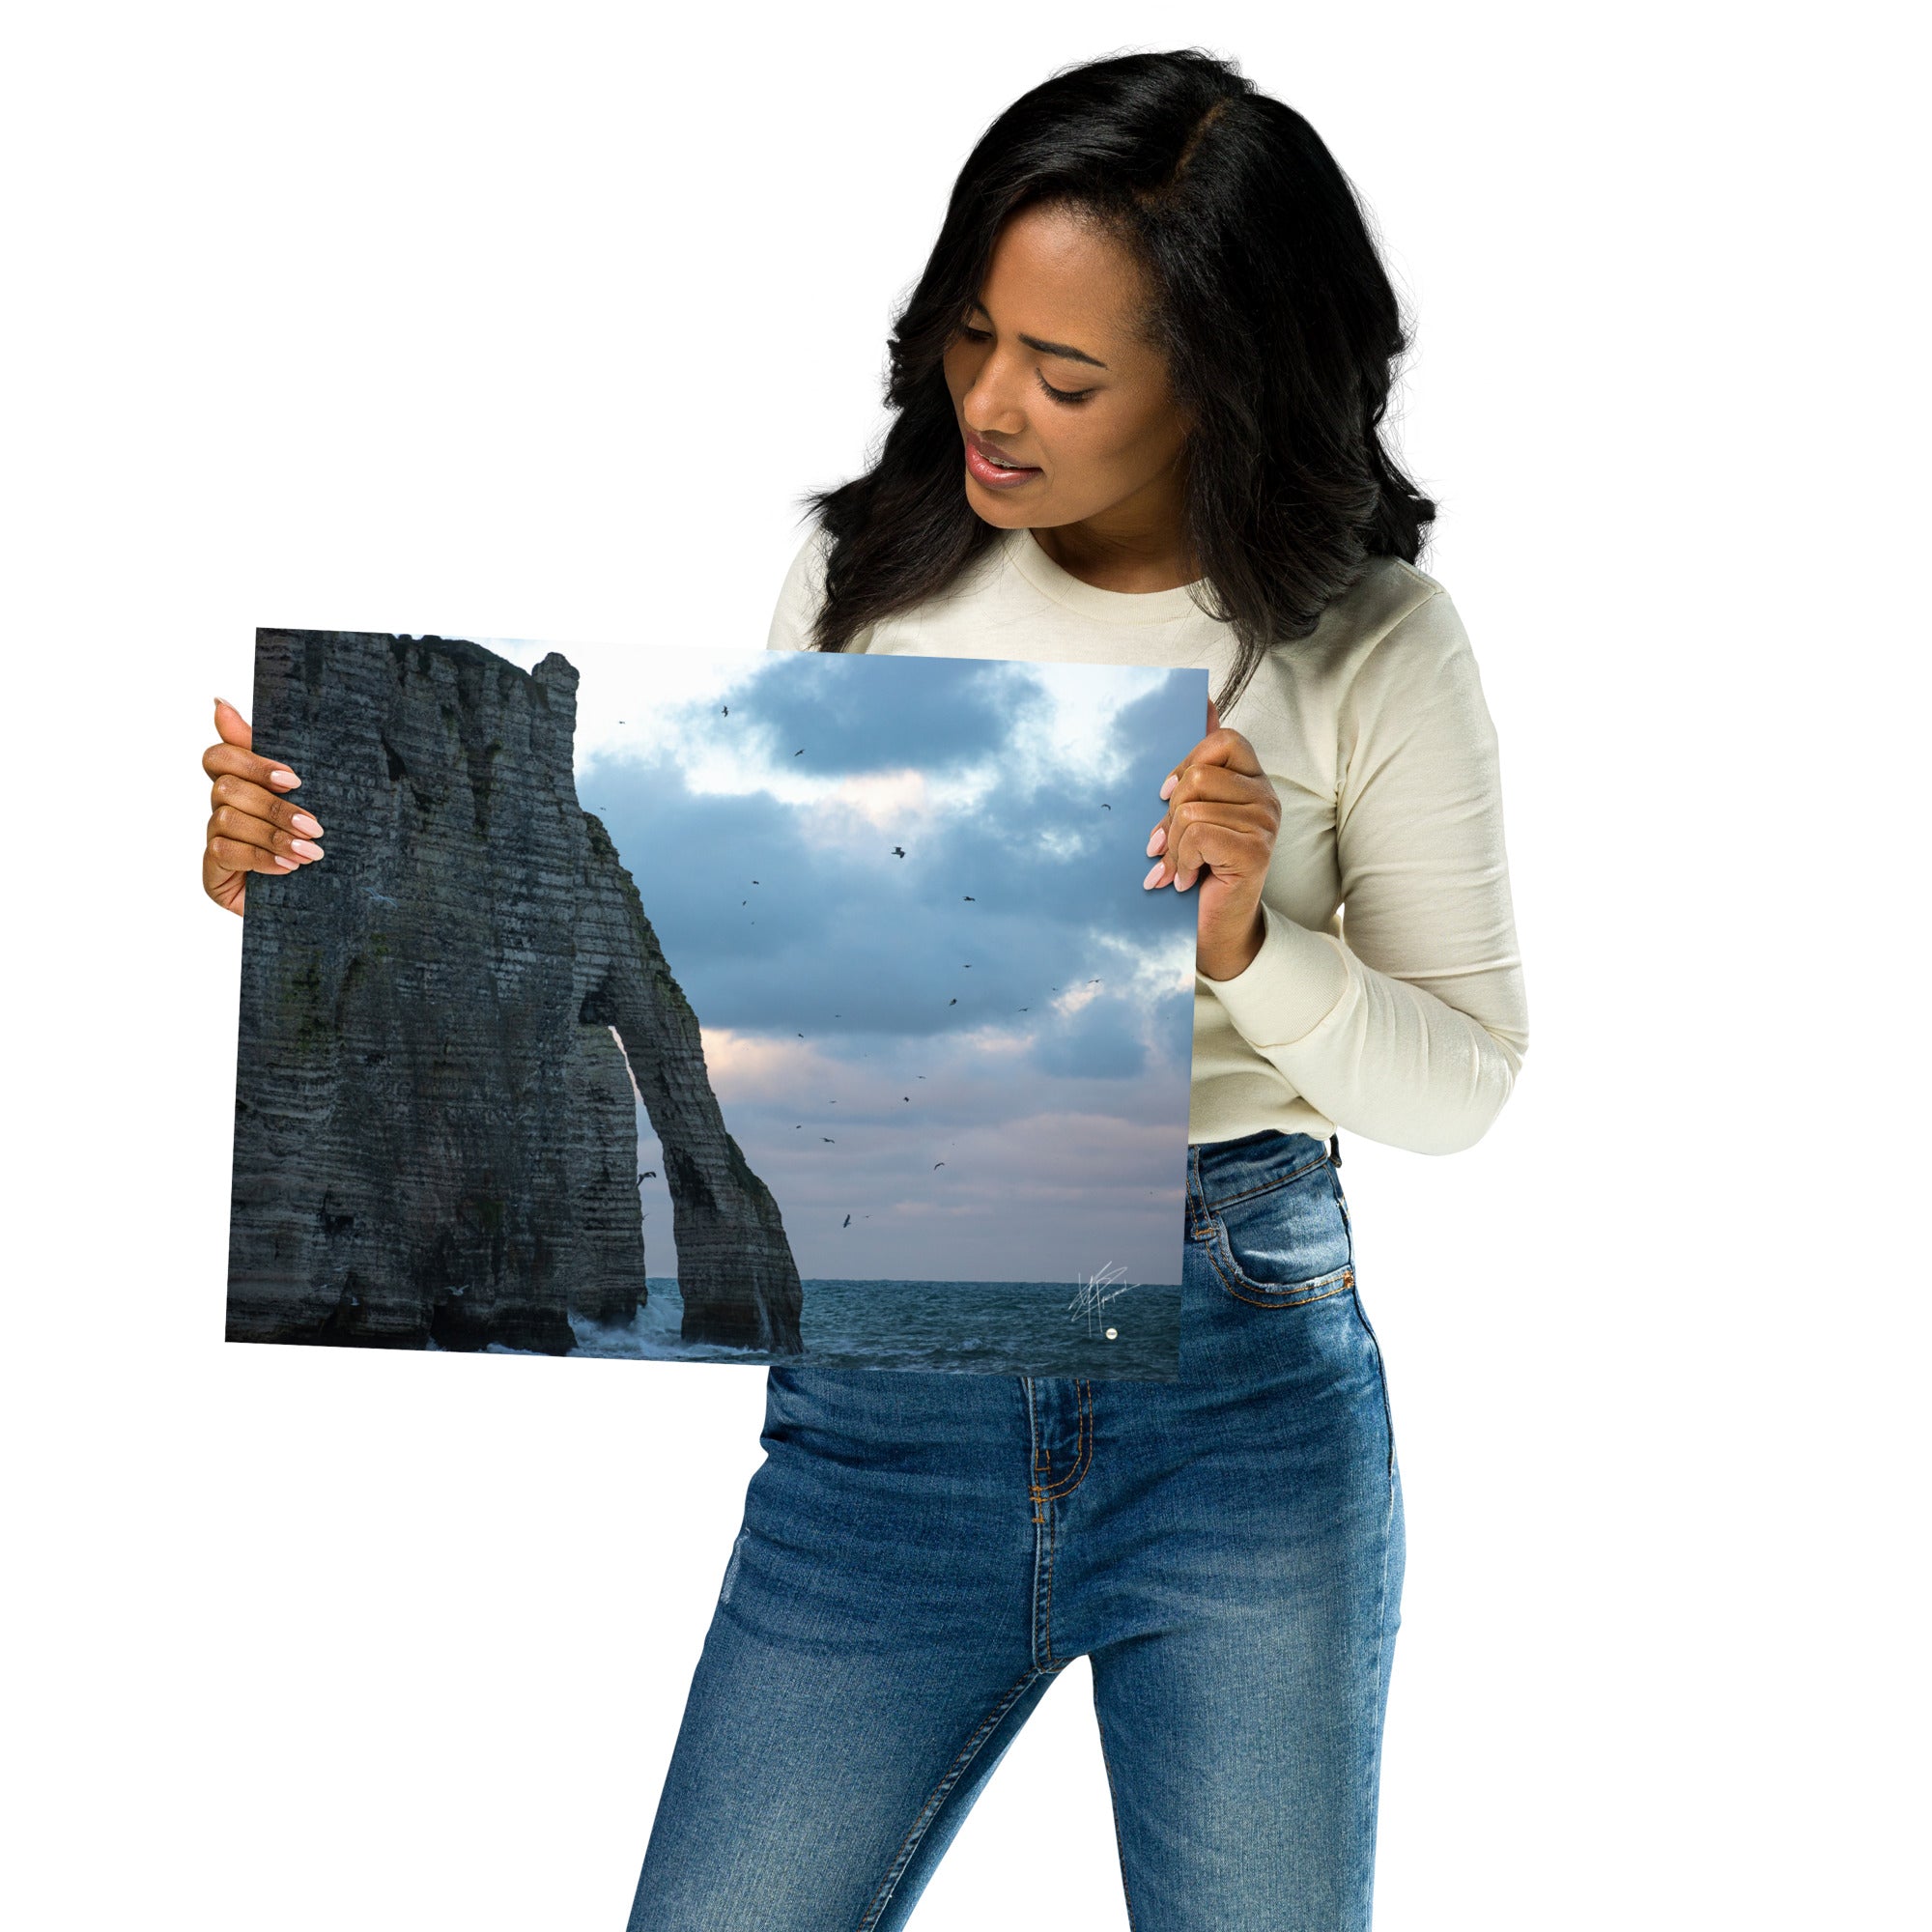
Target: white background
(535, 322)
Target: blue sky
(1005, 997)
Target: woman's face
(1054, 315)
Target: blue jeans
(923, 1554)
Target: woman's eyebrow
(1071, 354)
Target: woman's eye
(1058, 395)
(1064, 395)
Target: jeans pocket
(1286, 1241)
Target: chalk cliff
(435, 1128)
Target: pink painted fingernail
(1158, 840)
(287, 865)
(303, 822)
(306, 848)
(286, 780)
(1172, 780)
(1160, 865)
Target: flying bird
(898, 851)
(1106, 806)
(969, 898)
(800, 1036)
(727, 709)
(847, 1222)
(649, 1173)
(800, 753)
(949, 1003)
(937, 1165)
(827, 1140)
(907, 1097)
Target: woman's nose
(989, 406)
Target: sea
(1120, 1332)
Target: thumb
(231, 727)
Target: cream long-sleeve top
(1387, 997)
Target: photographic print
(692, 1005)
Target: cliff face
(435, 1130)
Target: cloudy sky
(1005, 997)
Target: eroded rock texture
(435, 1128)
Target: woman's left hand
(1222, 817)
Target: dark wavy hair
(1269, 301)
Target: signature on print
(1093, 1295)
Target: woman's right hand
(253, 827)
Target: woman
(1138, 393)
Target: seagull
(649, 1173)
(727, 710)
(918, 1076)
(949, 1003)
(754, 882)
(1104, 807)
(847, 1222)
(800, 753)
(907, 1099)
(969, 898)
(827, 1140)
(800, 1036)
(743, 903)
(937, 1165)
(898, 851)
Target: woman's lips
(995, 474)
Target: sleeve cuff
(1287, 988)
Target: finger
(1227, 749)
(233, 761)
(223, 855)
(231, 727)
(1218, 782)
(1214, 785)
(259, 803)
(1230, 852)
(1213, 717)
(232, 828)
(1232, 843)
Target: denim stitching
(1083, 1453)
(1236, 1282)
(1370, 1729)
(909, 1844)
(1280, 1180)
